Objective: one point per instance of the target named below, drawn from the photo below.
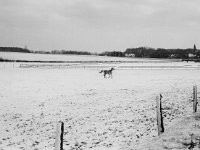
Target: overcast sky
(99, 25)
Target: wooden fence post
(194, 99)
(59, 136)
(159, 115)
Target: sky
(99, 25)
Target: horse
(109, 72)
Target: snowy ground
(98, 113)
(67, 57)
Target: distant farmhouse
(173, 56)
(130, 55)
(191, 55)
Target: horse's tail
(101, 71)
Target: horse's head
(112, 68)
(101, 71)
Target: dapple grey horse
(109, 72)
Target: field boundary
(118, 66)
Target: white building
(130, 55)
(190, 55)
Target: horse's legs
(108, 75)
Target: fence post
(59, 136)
(159, 115)
(194, 99)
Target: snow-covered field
(98, 113)
(91, 61)
(84, 58)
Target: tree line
(14, 49)
(25, 50)
(70, 52)
(142, 52)
(145, 52)
(113, 54)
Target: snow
(98, 113)
(183, 135)
(67, 57)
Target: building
(130, 55)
